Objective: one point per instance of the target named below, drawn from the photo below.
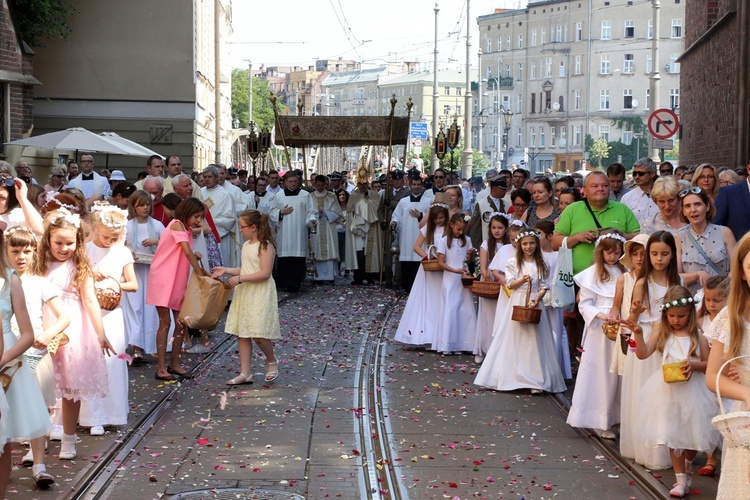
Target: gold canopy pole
(281, 131)
(388, 194)
(300, 111)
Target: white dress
(735, 463)
(418, 322)
(141, 319)
(679, 416)
(596, 399)
(486, 314)
(522, 355)
(112, 410)
(499, 263)
(635, 374)
(559, 333)
(457, 326)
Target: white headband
(524, 234)
(517, 222)
(440, 204)
(51, 197)
(614, 236)
(67, 216)
(683, 302)
(105, 209)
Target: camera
(9, 182)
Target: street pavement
(308, 435)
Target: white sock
(69, 438)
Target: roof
(358, 76)
(444, 76)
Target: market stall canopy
(73, 139)
(137, 149)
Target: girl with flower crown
(679, 413)
(110, 261)
(80, 367)
(522, 355)
(596, 399)
(457, 324)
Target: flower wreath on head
(524, 234)
(683, 302)
(517, 222)
(467, 218)
(500, 214)
(613, 236)
(51, 197)
(67, 216)
(439, 204)
(20, 229)
(105, 209)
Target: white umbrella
(78, 139)
(137, 149)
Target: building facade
(145, 70)
(571, 68)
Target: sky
(298, 32)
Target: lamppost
(482, 122)
(440, 146)
(454, 132)
(236, 125)
(253, 145)
(507, 117)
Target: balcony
(506, 82)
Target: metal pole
(468, 151)
(480, 128)
(217, 81)
(435, 162)
(250, 91)
(655, 80)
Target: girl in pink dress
(168, 279)
(80, 369)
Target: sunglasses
(439, 177)
(638, 173)
(694, 190)
(666, 171)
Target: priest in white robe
(240, 204)
(364, 244)
(293, 213)
(324, 240)
(224, 213)
(405, 221)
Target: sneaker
(680, 488)
(536, 392)
(607, 434)
(42, 478)
(97, 430)
(56, 433)
(478, 359)
(199, 348)
(28, 459)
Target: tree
(599, 151)
(262, 108)
(38, 20)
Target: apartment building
(570, 68)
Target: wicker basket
(431, 264)
(468, 281)
(611, 331)
(525, 314)
(735, 426)
(109, 298)
(57, 342)
(32, 361)
(672, 372)
(486, 289)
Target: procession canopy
(341, 130)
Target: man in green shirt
(578, 225)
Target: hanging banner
(341, 130)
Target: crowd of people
(656, 263)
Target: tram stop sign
(663, 123)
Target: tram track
(92, 482)
(380, 478)
(641, 479)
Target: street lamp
(454, 132)
(482, 123)
(507, 117)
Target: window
(533, 70)
(604, 100)
(533, 137)
(533, 37)
(499, 44)
(458, 90)
(577, 63)
(520, 41)
(604, 132)
(548, 67)
(541, 137)
(628, 64)
(561, 102)
(520, 72)
(627, 134)
(507, 42)
(577, 135)
(650, 29)
(606, 30)
(563, 133)
(533, 102)
(447, 90)
(519, 137)
(629, 29)
(649, 66)
(561, 69)
(559, 33)
(489, 44)
(458, 109)
(674, 98)
(676, 28)
(648, 98)
(627, 99)
(674, 66)
(605, 67)
(507, 70)
(577, 99)
(544, 36)
(579, 32)
(519, 104)
(552, 134)
(447, 110)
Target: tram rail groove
(92, 482)
(380, 477)
(646, 484)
